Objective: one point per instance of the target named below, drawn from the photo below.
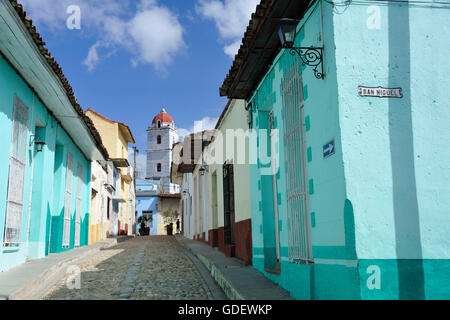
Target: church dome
(163, 116)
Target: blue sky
(130, 58)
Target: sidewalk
(33, 278)
(239, 282)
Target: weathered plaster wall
(187, 193)
(147, 203)
(163, 205)
(232, 131)
(334, 273)
(98, 221)
(394, 148)
(46, 215)
(109, 133)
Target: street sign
(328, 149)
(380, 92)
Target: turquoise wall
(44, 218)
(332, 277)
(382, 199)
(393, 148)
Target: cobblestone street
(153, 268)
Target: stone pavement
(150, 268)
(29, 280)
(239, 282)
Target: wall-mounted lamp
(310, 56)
(203, 169)
(37, 142)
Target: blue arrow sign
(328, 149)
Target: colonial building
(183, 177)
(162, 135)
(213, 170)
(117, 136)
(349, 195)
(99, 202)
(48, 145)
(225, 176)
(147, 192)
(187, 155)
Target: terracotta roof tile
(58, 71)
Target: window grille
(16, 175)
(299, 243)
(68, 201)
(274, 165)
(78, 205)
(228, 206)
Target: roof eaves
(256, 21)
(123, 125)
(28, 23)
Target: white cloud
(231, 18)
(157, 34)
(232, 49)
(206, 123)
(92, 58)
(53, 14)
(153, 35)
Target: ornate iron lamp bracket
(310, 56)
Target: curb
(217, 275)
(205, 285)
(36, 288)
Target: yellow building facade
(116, 136)
(99, 195)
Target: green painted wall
(330, 212)
(45, 227)
(372, 204)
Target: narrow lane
(145, 268)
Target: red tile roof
(163, 117)
(123, 125)
(260, 45)
(28, 23)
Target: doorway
(228, 206)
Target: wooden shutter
(68, 201)
(16, 175)
(78, 205)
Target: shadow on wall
(406, 211)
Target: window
(78, 205)
(158, 139)
(108, 207)
(274, 165)
(16, 178)
(68, 201)
(159, 124)
(158, 167)
(250, 116)
(299, 223)
(228, 203)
